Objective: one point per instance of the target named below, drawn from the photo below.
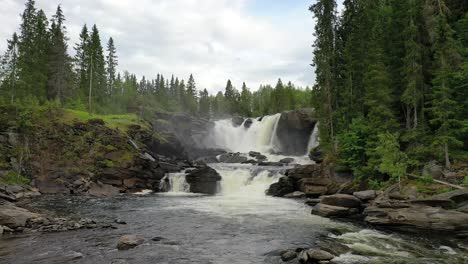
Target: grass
(14, 178)
(120, 122)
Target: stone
(130, 183)
(294, 130)
(254, 154)
(237, 121)
(232, 158)
(288, 255)
(313, 186)
(418, 217)
(433, 170)
(318, 254)
(303, 257)
(13, 216)
(248, 123)
(365, 195)
(334, 247)
(281, 188)
(316, 154)
(295, 195)
(312, 202)
(458, 196)
(1, 230)
(341, 200)
(51, 187)
(326, 210)
(435, 202)
(270, 163)
(120, 222)
(261, 157)
(129, 241)
(203, 180)
(102, 190)
(305, 171)
(287, 160)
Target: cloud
(215, 40)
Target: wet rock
(326, 210)
(1, 230)
(237, 121)
(250, 161)
(305, 171)
(458, 196)
(365, 195)
(102, 190)
(270, 163)
(261, 157)
(232, 158)
(207, 160)
(294, 129)
(435, 202)
(254, 154)
(312, 202)
(319, 255)
(295, 195)
(333, 247)
(203, 180)
(418, 217)
(288, 255)
(303, 257)
(169, 167)
(314, 187)
(287, 160)
(248, 123)
(316, 154)
(13, 216)
(158, 238)
(129, 241)
(120, 222)
(281, 188)
(6, 195)
(341, 200)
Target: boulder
(203, 180)
(248, 123)
(435, 202)
(51, 187)
(295, 195)
(294, 130)
(288, 255)
(316, 154)
(312, 202)
(305, 171)
(318, 254)
(313, 186)
(281, 188)
(254, 154)
(270, 163)
(261, 157)
(433, 170)
(418, 217)
(326, 210)
(458, 196)
(102, 190)
(334, 247)
(287, 160)
(232, 158)
(13, 216)
(129, 241)
(365, 195)
(237, 121)
(341, 200)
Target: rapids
(239, 225)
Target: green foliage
(14, 178)
(393, 161)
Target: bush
(14, 178)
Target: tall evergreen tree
(82, 62)
(245, 101)
(97, 71)
(9, 69)
(111, 62)
(191, 95)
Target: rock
(326, 210)
(169, 167)
(316, 154)
(51, 187)
(397, 196)
(270, 163)
(130, 183)
(333, 247)
(342, 200)
(248, 123)
(433, 170)
(232, 158)
(120, 222)
(313, 186)
(303, 257)
(463, 209)
(305, 171)
(203, 180)
(1, 230)
(281, 188)
(418, 217)
(6, 195)
(435, 202)
(102, 190)
(312, 202)
(288, 255)
(13, 216)
(365, 195)
(458, 196)
(295, 195)
(287, 160)
(250, 161)
(261, 157)
(207, 160)
(294, 130)
(129, 241)
(254, 154)
(237, 121)
(318, 254)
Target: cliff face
(294, 130)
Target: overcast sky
(256, 41)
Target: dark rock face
(294, 129)
(316, 154)
(248, 123)
(287, 160)
(232, 158)
(342, 200)
(203, 180)
(288, 255)
(284, 186)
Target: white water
(314, 139)
(260, 137)
(175, 183)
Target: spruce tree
(111, 62)
(204, 103)
(191, 95)
(82, 62)
(246, 101)
(9, 69)
(97, 71)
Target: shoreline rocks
(127, 242)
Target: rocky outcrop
(129, 241)
(284, 186)
(237, 121)
(294, 129)
(13, 216)
(203, 180)
(232, 158)
(316, 154)
(248, 123)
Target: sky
(256, 41)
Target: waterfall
(261, 136)
(314, 139)
(174, 183)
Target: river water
(238, 225)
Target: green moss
(107, 163)
(110, 148)
(120, 122)
(14, 178)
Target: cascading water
(260, 137)
(314, 139)
(174, 183)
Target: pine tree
(230, 98)
(443, 105)
(325, 14)
(59, 61)
(245, 101)
(111, 62)
(82, 62)
(9, 69)
(97, 71)
(191, 95)
(204, 103)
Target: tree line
(392, 83)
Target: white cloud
(213, 39)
